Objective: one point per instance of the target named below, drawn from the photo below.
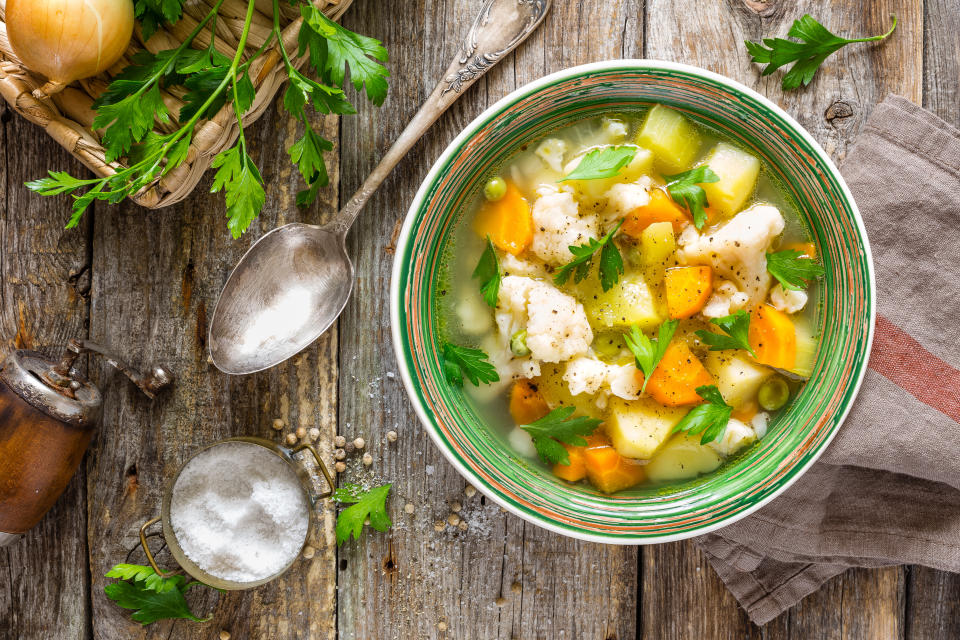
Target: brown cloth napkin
(887, 489)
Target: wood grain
(860, 604)
(44, 283)
(501, 578)
(156, 279)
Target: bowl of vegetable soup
(633, 301)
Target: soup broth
(645, 292)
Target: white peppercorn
(301, 432)
(453, 519)
(455, 506)
(278, 424)
(339, 454)
(392, 436)
(359, 443)
(314, 434)
(308, 552)
(224, 634)
(339, 441)
(291, 438)
(409, 508)
(340, 467)
(367, 459)
(470, 491)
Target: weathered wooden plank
(933, 597)
(834, 108)
(157, 276)
(44, 285)
(501, 578)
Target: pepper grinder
(48, 413)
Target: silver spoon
(294, 282)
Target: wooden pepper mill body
(44, 431)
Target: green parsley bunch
(132, 104)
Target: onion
(68, 40)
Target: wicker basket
(68, 115)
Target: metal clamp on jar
(48, 413)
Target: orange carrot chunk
(507, 221)
(606, 469)
(661, 208)
(688, 289)
(526, 403)
(806, 249)
(576, 470)
(675, 380)
(773, 337)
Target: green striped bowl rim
(795, 438)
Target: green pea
(518, 344)
(495, 188)
(773, 393)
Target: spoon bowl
(285, 292)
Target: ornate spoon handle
(500, 26)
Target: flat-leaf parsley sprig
(559, 426)
(132, 104)
(489, 273)
(736, 326)
(472, 363)
(816, 44)
(710, 418)
(150, 596)
(602, 163)
(611, 262)
(371, 504)
(649, 352)
(792, 269)
(686, 191)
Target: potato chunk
(672, 138)
(629, 301)
(738, 171)
(637, 428)
(682, 458)
(737, 377)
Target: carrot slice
(806, 249)
(773, 337)
(508, 221)
(675, 380)
(526, 403)
(606, 469)
(746, 412)
(661, 208)
(576, 470)
(688, 289)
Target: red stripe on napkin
(899, 358)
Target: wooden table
(145, 282)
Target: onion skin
(68, 40)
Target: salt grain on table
(239, 512)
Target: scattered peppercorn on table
(453, 565)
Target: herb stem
(881, 36)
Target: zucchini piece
(672, 138)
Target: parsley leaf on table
(611, 262)
(816, 44)
(648, 353)
(710, 419)
(464, 361)
(333, 49)
(737, 328)
(151, 596)
(556, 427)
(366, 504)
(791, 269)
(686, 191)
(240, 179)
(488, 271)
(602, 163)
(307, 154)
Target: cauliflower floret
(514, 266)
(473, 314)
(557, 226)
(736, 437)
(522, 442)
(759, 423)
(737, 250)
(551, 151)
(614, 130)
(556, 324)
(508, 366)
(787, 300)
(589, 375)
(624, 198)
(725, 300)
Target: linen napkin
(887, 489)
